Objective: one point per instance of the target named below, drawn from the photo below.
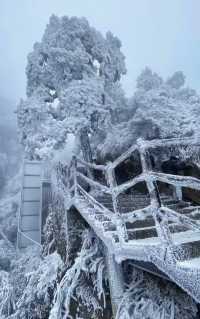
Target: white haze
(163, 35)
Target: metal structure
(35, 197)
(164, 235)
(160, 233)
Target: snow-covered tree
(9, 147)
(73, 82)
(149, 297)
(73, 72)
(148, 80)
(82, 290)
(176, 80)
(159, 110)
(55, 236)
(70, 50)
(34, 282)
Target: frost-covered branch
(7, 295)
(88, 264)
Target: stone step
(169, 202)
(174, 228)
(123, 199)
(181, 203)
(149, 232)
(134, 206)
(131, 197)
(181, 208)
(127, 203)
(149, 222)
(190, 209)
(101, 218)
(195, 217)
(175, 207)
(142, 234)
(142, 201)
(123, 195)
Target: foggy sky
(161, 34)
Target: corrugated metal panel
(31, 208)
(29, 226)
(32, 168)
(35, 199)
(32, 181)
(31, 194)
(29, 223)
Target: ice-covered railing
(161, 214)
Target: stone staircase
(128, 229)
(103, 224)
(143, 242)
(141, 229)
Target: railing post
(116, 280)
(162, 226)
(111, 179)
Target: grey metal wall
(35, 196)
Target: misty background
(163, 35)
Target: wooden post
(116, 280)
(120, 223)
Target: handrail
(171, 142)
(123, 187)
(100, 207)
(151, 227)
(178, 180)
(93, 183)
(160, 213)
(181, 219)
(138, 214)
(125, 155)
(91, 165)
(146, 144)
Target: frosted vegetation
(9, 148)
(73, 81)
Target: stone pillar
(116, 280)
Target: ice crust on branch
(147, 297)
(83, 281)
